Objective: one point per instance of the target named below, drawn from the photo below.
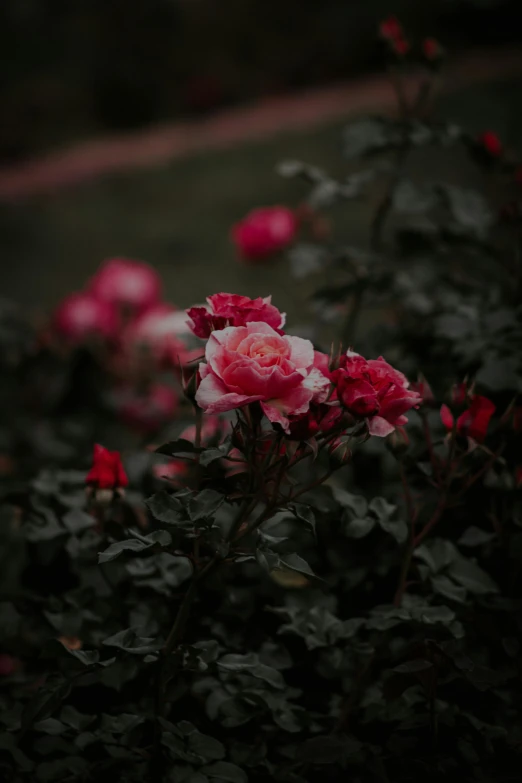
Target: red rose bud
(339, 454)
(400, 46)
(390, 29)
(474, 422)
(107, 475)
(264, 232)
(491, 143)
(460, 393)
(423, 388)
(432, 50)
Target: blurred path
(163, 143)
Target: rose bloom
(107, 470)
(264, 232)
(129, 284)
(81, 315)
(374, 390)
(233, 310)
(161, 332)
(474, 421)
(253, 363)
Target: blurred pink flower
(129, 284)
(81, 315)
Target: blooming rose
(127, 283)
(82, 315)
(374, 390)
(474, 421)
(107, 470)
(491, 143)
(233, 310)
(264, 231)
(254, 363)
(163, 332)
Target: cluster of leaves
(349, 627)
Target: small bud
(340, 455)
(191, 385)
(432, 50)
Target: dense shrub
(318, 573)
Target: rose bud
(106, 478)
(390, 28)
(432, 50)
(491, 144)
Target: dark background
(91, 66)
(88, 69)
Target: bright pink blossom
(233, 310)
(82, 315)
(253, 363)
(374, 390)
(264, 232)
(474, 421)
(126, 283)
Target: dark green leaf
(225, 772)
(158, 537)
(129, 641)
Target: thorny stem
(415, 540)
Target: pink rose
(254, 363)
(161, 332)
(233, 310)
(264, 232)
(82, 315)
(127, 283)
(374, 390)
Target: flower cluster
(249, 361)
(134, 334)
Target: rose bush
(327, 584)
